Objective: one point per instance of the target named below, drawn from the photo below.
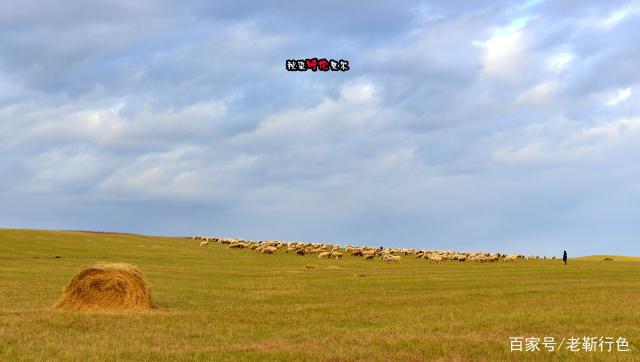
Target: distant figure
(564, 257)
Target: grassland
(219, 304)
(613, 257)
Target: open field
(220, 304)
(614, 257)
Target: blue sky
(484, 125)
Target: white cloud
(540, 93)
(180, 173)
(607, 131)
(63, 170)
(572, 144)
(559, 61)
(355, 112)
(358, 92)
(618, 97)
(108, 126)
(618, 15)
(504, 50)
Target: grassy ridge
(614, 257)
(219, 304)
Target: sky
(464, 125)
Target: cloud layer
(483, 126)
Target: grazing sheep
(356, 252)
(435, 258)
(493, 258)
(268, 250)
(477, 258)
(391, 255)
(461, 257)
(392, 258)
(512, 257)
(486, 259)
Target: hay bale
(107, 286)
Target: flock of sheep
(328, 251)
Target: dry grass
(106, 286)
(219, 304)
(604, 257)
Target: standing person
(564, 257)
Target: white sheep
(267, 250)
(391, 258)
(511, 257)
(435, 258)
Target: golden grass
(603, 257)
(220, 304)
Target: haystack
(107, 286)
